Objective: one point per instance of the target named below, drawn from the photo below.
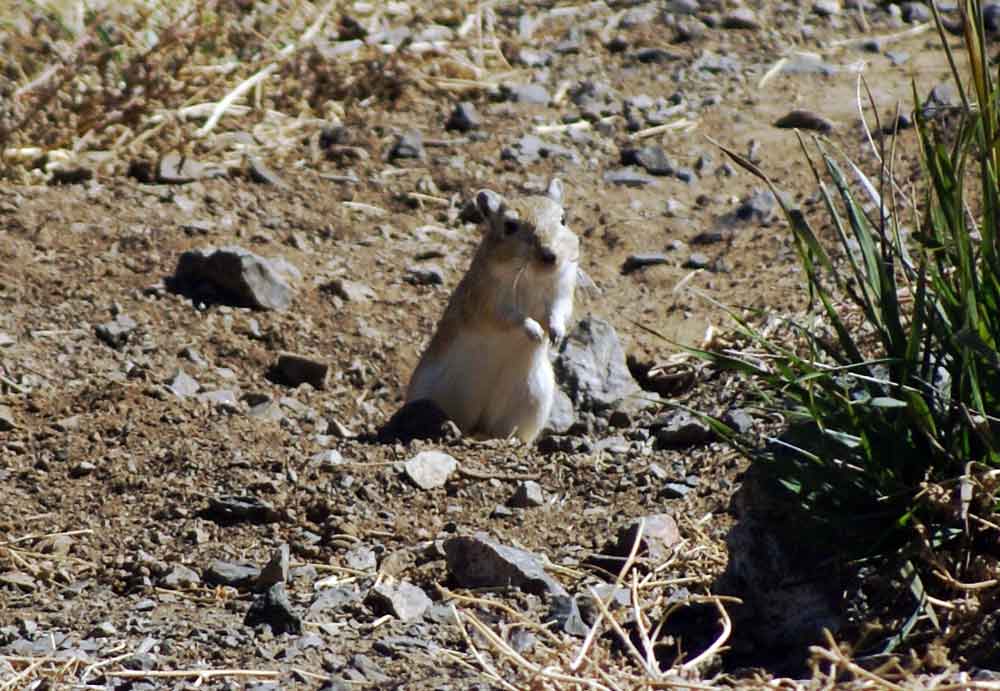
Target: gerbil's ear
(555, 190)
(488, 202)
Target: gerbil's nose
(547, 256)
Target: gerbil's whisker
(517, 278)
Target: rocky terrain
(204, 326)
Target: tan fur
(487, 365)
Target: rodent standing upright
(487, 366)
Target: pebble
(659, 535)
(430, 469)
(530, 149)
(655, 56)
(224, 399)
(403, 600)
(652, 159)
(430, 275)
(738, 420)
(628, 177)
(182, 384)
(463, 118)
(478, 561)
(565, 613)
(352, 291)
(272, 608)
(276, 570)
(680, 428)
(530, 94)
(229, 510)
(826, 8)
(527, 495)
(173, 168)
(740, 18)
(915, 12)
(239, 575)
(683, 6)
(640, 261)
(334, 598)
(180, 577)
(294, 370)
(116, 333)
(804, 120)
(82, 469)
(7, 420)
(327, 459)
(266, 411)
(697, 260)
(410, 144)
(260, 172)
(6, 339)
(236, 275)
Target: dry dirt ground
(106, 474)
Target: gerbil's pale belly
(490, 385)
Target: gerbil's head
(530, 231)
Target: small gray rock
(182, 384)
(352, 291)
(180, 578)
(116, 333)
(562, 417)
(680, 428)
(230, 510)
(652, 159)
(915, 12)
(628, 177)
(529, 149)
(430, 469)
(403, 600)
(295, 370)
(276, 570)
(430, 275)
(804, 120)
(698, 260)
(236, 275)
(262, 173)
(740, 18)
(327, 459)
(640, 261)
(410, 144)
(173, 168)
(273, 609)
(738, 420)
(826, 8)
(565, 612)
(530, 94)
(527, 495)
(477, 561)
(238, 575)
(7, 421)
(464, 118)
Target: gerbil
(487, 365)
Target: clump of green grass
(892, 391)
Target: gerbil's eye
(563, 221)
(510, 226)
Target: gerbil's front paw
(534, 330)
(556, 333)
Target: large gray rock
(591, 369)
(477, 561)
(237, 275)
